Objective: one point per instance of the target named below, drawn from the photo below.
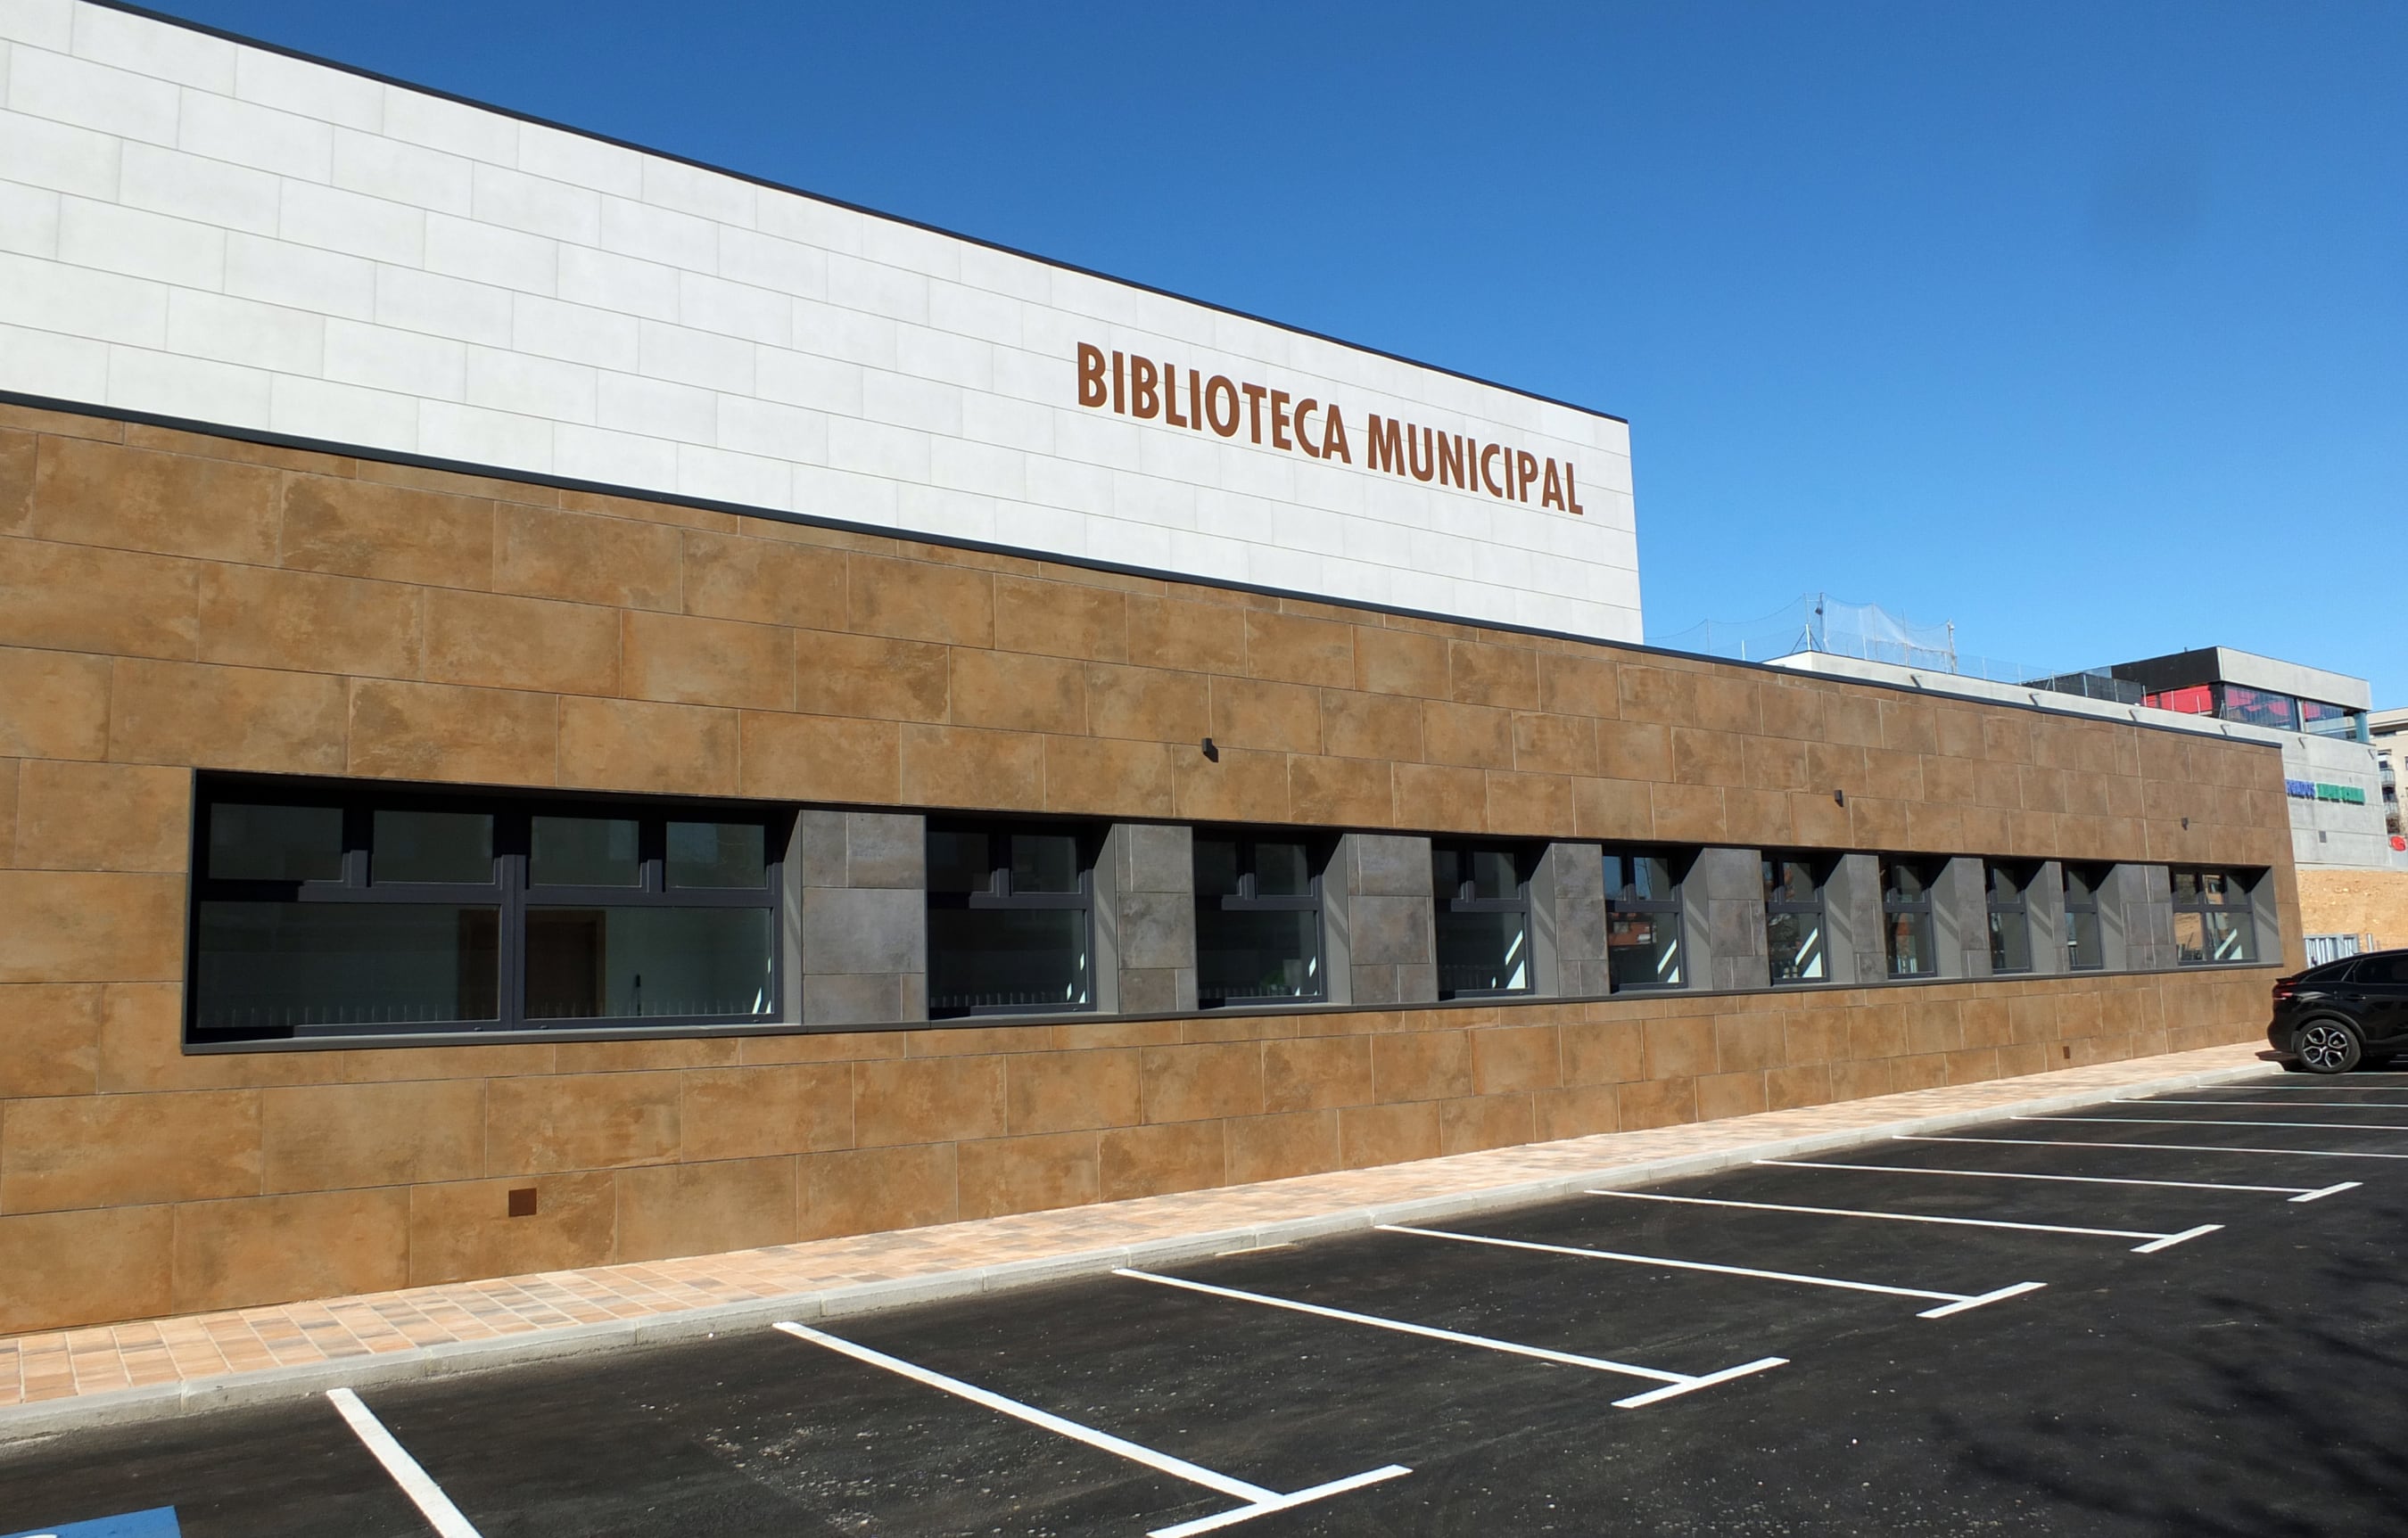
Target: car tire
(2327, 1045)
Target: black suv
(2330, 1018)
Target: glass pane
(2185, 886)
(2219, 887)
(1910, 883)
(2190, 938)
(1257, 955)
(1652, 875)
(1007, 959)
(718, 854)
(586, 851)
(1281, 869)
(959, 861)
(1794, 942)
(1046, 862)
(624, 963)
(2230, 937)
(2258, 707)
(276, 843)
(1216, 867)
(2083, 949)
(1481, 953)
(1496, 875)
(2082, 883)
(1645, 949)
(2006, 883)
(1788, 881)
(1447, 872)
(2328, 720)
(2009, 942)
(274, 966)
(1910, 944)
(432, 846)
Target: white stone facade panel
(199, 228)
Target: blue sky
(2084, 326)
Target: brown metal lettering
(1170, 398)
(1255, 394)
(1221, 390)
(1092, 390)
(1304, 408)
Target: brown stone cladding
(172, 602)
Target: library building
(562, 706)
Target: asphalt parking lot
(2182, 1315)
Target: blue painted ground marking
(158, 1522)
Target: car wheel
(2327, 1046)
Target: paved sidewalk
(56, 1380)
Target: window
(2192, 700)
(2011, 949)
(2212, 921)
(1483, 918)
(1010, 918)
(1643, 919)
(1906, 916)
(2257, 707)
(1257, 920)
(1792, 920)
(2331, 720)
(2085, 950)
(342, 910)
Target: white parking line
(1675, 1383)
(2304, 1193)
(424, 1492)
(1261, 1502)
(2276, 1104)
(1953, 1302)
(2220, 1121)
(2155, 1147)
(2157, 1241)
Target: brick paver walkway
(64, 1365)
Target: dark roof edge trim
(206, 30)
(1018, 552)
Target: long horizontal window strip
(338, 909)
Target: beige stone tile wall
(171, 602)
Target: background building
(559, 706)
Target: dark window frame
(1526, 868)
(999, 896)
(2087, 905)
(510, 892)
(1318, 851)
(1664, 909)
(2237, 883)
(2020, 875)
(1896, 907)
(1819, 868)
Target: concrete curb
(166, 1400)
